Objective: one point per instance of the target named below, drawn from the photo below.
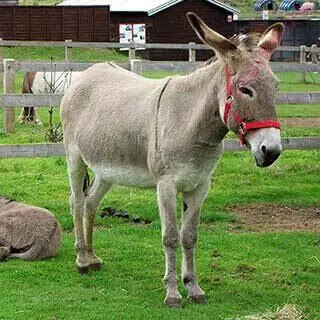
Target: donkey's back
(27, 232)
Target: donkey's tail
(86, 183)
(28, 82)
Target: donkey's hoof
(83, 269)
(199, 299)
(173, 302)
(86, 268)
(95, 266)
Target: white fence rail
(171, 66)
(9, 100)
(57, 149)
(12, 100)
(116, 45)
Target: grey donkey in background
(166, 134)
(27, 232)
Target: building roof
(150, 6)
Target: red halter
(244, 127)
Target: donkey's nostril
(270, 153)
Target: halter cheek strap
(243, 127)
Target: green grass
(58, 54)
(252, 273)
(291, 82)
(37, 180)
(299, 111)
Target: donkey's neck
(203, 89)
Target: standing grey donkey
(168, 134)
(27, 232)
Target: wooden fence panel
(7, 23)
(38, 24)
(50, 99)
(71, 23)
(172, 66)
(57, 149)
(54, 23)
(22, 30)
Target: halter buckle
(242, 128)
(242, 133)
(230, 99)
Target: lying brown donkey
(27, 232)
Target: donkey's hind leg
(4, 253)
(4, 247)
(77, 171)
(189, 230)
(97, 190)
(167, 193)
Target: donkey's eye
(247, 91)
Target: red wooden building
(49, 23)
(162, 21)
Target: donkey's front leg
(191, 218)
(167, 193)
(98, 189)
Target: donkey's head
(248, 88)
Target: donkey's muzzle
(267, 154)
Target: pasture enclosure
(8, 100)
(242, 272)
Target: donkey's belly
(126, 175)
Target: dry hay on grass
(272, 217)
(287, 312)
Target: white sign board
(265, 15)
(132, 33)
(139, 33)
(125, 33)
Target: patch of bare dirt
(287, 312)
(271, 217)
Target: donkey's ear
(271, 38)
(221, 45)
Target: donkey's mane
(248, 42)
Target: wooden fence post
(8, 87)
(303, 60)
(132, 52)
(192, 53)
(136, 66)
(1, 62)
(68, 50)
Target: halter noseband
(244, 127)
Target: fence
(8, 100)
(52, 23)
(57, 149)
(191, 47)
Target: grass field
(242, 272)
(252, 272)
